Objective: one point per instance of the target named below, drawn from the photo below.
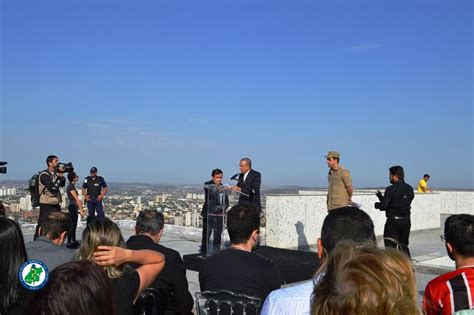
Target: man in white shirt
(346, 224)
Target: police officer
(94, 190)
(396, 202)
(340, 183)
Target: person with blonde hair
(102, 243)
(348, 224)
(365, 280)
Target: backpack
(33, 188)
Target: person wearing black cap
(94, 190)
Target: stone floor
(425, 246)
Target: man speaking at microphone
(248, 184)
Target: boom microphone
(235, 177)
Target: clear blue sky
(165, 91)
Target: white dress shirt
(292, 300)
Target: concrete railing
(294, 221)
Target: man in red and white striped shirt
(454, 291)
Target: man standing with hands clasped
(340, 183)
(94, 190)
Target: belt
(399, 218)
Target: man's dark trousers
(94, 206)
(45, 210)
(398, 229)
(215, 226)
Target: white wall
(294, 221)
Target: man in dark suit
(215, 204)
(249, 184)
(172, 279)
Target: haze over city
(163, 92)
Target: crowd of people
(104, 274)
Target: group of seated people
(355, 277)
(106, 275)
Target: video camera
(65, 168)
(3, 169)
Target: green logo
(33, 274)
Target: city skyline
(160, 92)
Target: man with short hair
(348, 224)
(215, 204)
(238, 269)
(172, 279)
(94, 190)
(50, 181)
(340, 183)
(48, 247)
(423, 184)
(454, 291)
(396, 202)
(248, 184)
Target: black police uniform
(94, 185)
(397, 205)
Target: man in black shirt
(94, 190)
(397, 204)
(214, 207)
(172, 279)
(238, 269)
(49, 184)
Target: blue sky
(165, 91)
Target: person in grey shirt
(48, 247)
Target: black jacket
(397, 200)
(171, 279)
(251, 187)
(211, 198)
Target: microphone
(235, 176)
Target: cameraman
(397, 204)
(50, 180)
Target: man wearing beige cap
(340, 183)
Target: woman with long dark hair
(12, 256)
(80, 288)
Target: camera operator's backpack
(33, 188)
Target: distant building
(4, 191)
(195, 217)
(15, 207)
(178, 220)
(188, 218)
(25, 203)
